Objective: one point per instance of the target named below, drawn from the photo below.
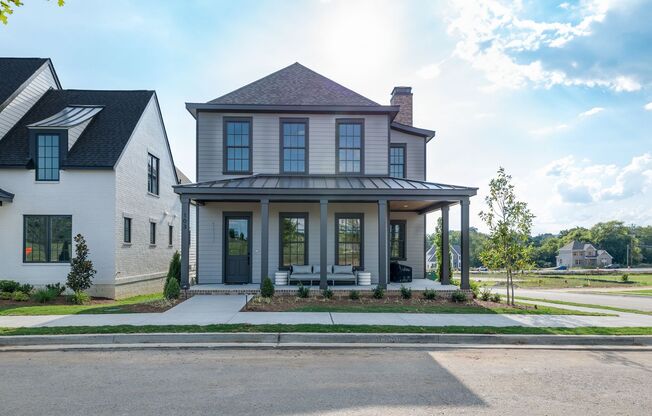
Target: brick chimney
(402, 97)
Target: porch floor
(253, 288)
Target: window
(126, 230)
(294, 145)
(152, 174)
(47, 157)
(170, 235)
(350, 138)
(237, 145)
(397, 239)
(349, 240)
(293, 229)
(47, 238)
(397, 160)
(152, 233)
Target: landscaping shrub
(172, 289)
(327, 293)
(406, 292)
(79, 298)
(459, 296)
(430, 294)
(485, 294)
(9, 286)
(378, 292)
(455, 282)
(496, 298)
(475, 288)
(175, 267)
(19, 296)
(625, 278)
(5, 295)
(354, 295)
(26, 288)
(58, 288)
(302, 291)
(44, 295)
(81, 269)
(267, 288)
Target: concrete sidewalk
(214, 309)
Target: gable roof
(294, 85)
(102, 141)
(573, 245)
(15, 72)
(182, 178)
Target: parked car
(482, 269)
(613, 266)
(561, 268)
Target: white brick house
(96, 163)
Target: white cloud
(591, 112)
(544, 131)
(431, 71)
(648, 106)
(564, 6)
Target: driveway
(589, 297)
(326, 382)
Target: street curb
(285, 338)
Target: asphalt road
(326, 382)
(576, 295)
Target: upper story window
(397, 160)
(47, 238)
(237, 145)
(47, 157)
(153, 165)
(350, 144)
(294, 145)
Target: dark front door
(237, 248)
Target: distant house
(431, 258)
(577, 254)
(456, 257)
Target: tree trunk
(513, 301)
(507, 285)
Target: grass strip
(320, 328)
(105, 308)
(586, 305)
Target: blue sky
(559, 93)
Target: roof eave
(390, 110)
(427, 134)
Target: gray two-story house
(297, 172)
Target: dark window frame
(126, 230)
(402, 239)
(153, 180)
(225, 147)
(48, 237)
(152, 233)
(170, 235)
(281, 217)
(349, 215)
(398, 146)
(338, 122)
(60, 143)
(306, 122)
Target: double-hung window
(47, 157)
(397, 239)
(397, 160)
(293, 228)
(294, 145)
(153, 165)
(237, 145)
(47, 238)
(349, 240)
(350, 144)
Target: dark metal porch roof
(5, 196)
(324, 184)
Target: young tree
(81, 269)
(509, 222)
(7, 7)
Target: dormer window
(47, 157)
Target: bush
(496, 298)
(172, 290)
(485, 294)
(26, 288)
(58, 288)
(378, 292)
(44, 295)
(430, 294)
(79, 298)
(625, 278)
(5, 295)
(475, 288)
(9, 286)
(19, 296)
(267, 288)
(302, 291)
(327, 293)
(455, 282)
(459, 296)
(175, 267)
(354, 295)
(81, 269)
(406, 292)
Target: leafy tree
(7, 7)
(81, 268)
(476, 242)
(615, 237)
(545, 249)
(174, 270)
(509, 222)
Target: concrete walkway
(214, 309)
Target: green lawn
(400, 308)
(569, 281)
(316, 328)
(117, 306)
(587, 305)
(646, 292)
